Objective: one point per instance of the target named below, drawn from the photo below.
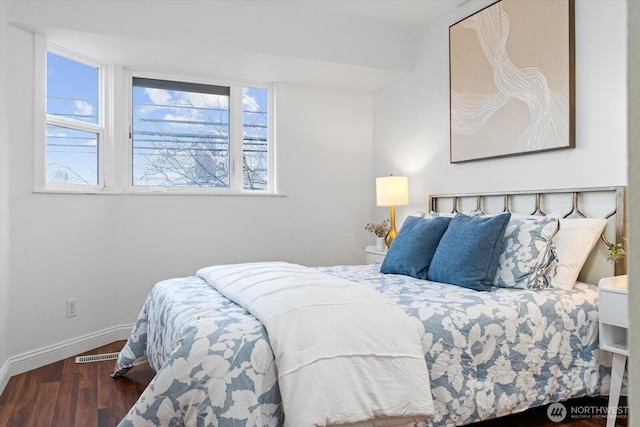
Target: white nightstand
(374, 256)
(614, 322)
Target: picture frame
(512, 80)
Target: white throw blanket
(345, 353)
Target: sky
(72, 93)
(180, 137)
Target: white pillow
(574, 242)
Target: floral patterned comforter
(489, 354)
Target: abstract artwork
(512, 79)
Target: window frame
(115, 145)
(235, 138)
(103, 128)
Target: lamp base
(392, 233)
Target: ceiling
(355, 44)
(401, 15)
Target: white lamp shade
(392, 191)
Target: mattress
(489, 354)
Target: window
(73, 126)
(98, 135)
(180, 134)
(255, 142)
(187, 135)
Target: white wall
(634, 206)
(411, 118)
(4, 210)
(108, 250)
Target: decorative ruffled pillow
(528, 259)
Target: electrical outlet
(71, 307)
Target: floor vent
(96, 357)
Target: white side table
(614, 322)
(374, 256)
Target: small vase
(380, 246)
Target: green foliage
(615, 252)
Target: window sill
(157, 193)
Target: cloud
(158, 96)
(83, 108)
(181, 118)
(250, 103)
(203, 100)
(58, 134)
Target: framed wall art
(512, 80)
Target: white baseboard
(4, 376)
(54, 353)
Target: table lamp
(392, 191)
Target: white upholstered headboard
(593, 202)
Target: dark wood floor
(66, 394)
(69, 394)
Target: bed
(488, 353)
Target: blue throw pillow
(411, 251)
(469, 251)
